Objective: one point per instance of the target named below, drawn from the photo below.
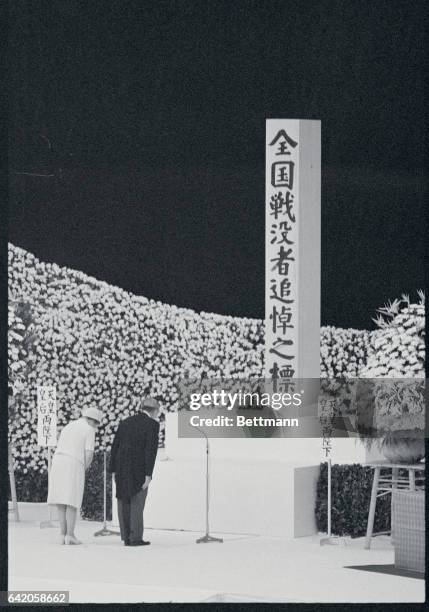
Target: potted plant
(399, 419)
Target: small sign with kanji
(46, 416)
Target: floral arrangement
(399, 406)
(397, 352)
(398, 347)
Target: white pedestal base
(260, 486)
(245, 497)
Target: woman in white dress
(73, 455)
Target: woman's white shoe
(72, 540)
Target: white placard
(46, 416)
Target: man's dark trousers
(130, 513)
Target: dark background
(146, 122)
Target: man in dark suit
(132, 460)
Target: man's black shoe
(126, 543)
(141, 543)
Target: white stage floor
(175, 569)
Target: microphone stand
(50, 521)
(330, 539)
(207, 537)
(105, 531)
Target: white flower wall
(16, 352)
(343, 352)
(105, 347)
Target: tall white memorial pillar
(292, 266)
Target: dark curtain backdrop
(144, 123)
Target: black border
(3, 429)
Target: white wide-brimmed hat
(93, 413)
